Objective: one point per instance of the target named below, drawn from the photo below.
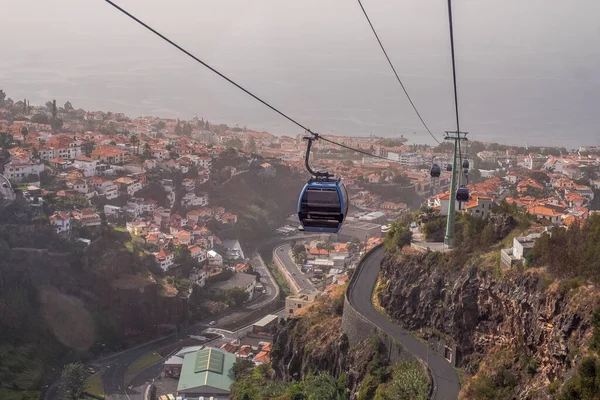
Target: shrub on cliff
(398, 236)
(570, 252)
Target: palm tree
(135, 143)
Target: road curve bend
(360, 297)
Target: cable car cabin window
(326, 200)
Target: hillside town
(153, 180)
(148, 176)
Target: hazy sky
(528, 70)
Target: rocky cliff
(314, 342)
(518, 321)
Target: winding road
(284, 254)
(360, 297)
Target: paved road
(445, 376)
(283, 253)
(267, 281)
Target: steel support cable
(237, 85)
(396, 73)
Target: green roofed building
(206, 373)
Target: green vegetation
(585, 385)
(398, 236)
(72, 379)
(498, 386)
(237, 296)
(435, 230)
(143, 362)
(93, 385)
(281, 281)
(567, 285)
(409, 382)
(403, 381)
(258, 384)
(8, 394)
(570, 253)
(299, 253)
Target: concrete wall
(358, 329)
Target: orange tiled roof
(542, 210)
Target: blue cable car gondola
(436, 171)
(449, 167)
(323, 203)
(465, 164)
(462, 194)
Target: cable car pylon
(456, 137)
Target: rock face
(314, 344)
(480, 310)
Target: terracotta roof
(543, 210)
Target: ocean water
(527, 73)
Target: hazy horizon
(526, 73)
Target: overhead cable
(171, 42)
(396, 73)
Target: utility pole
(456, 136)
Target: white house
(479, 206)
(81, 186)
(18, 171)
(521, 247)
(111, 211)
(191, 200)
(165, 259)
(61, 221)
(198, 276)
(86, 164)
(214, 258)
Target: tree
(187, 129)
(72, 379)
(6, 141)
(401, 180)
(147, 153)
(182, 254)
(324, 245)
(237, 296)
(135, 144)
(299, 248)
(252, 145)
(88, 147)
(40, 119)
(54, 109)
(24, 132)
(68, 106)
(398, 236)
(2, 97)
(56, 122)
(241, 366)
